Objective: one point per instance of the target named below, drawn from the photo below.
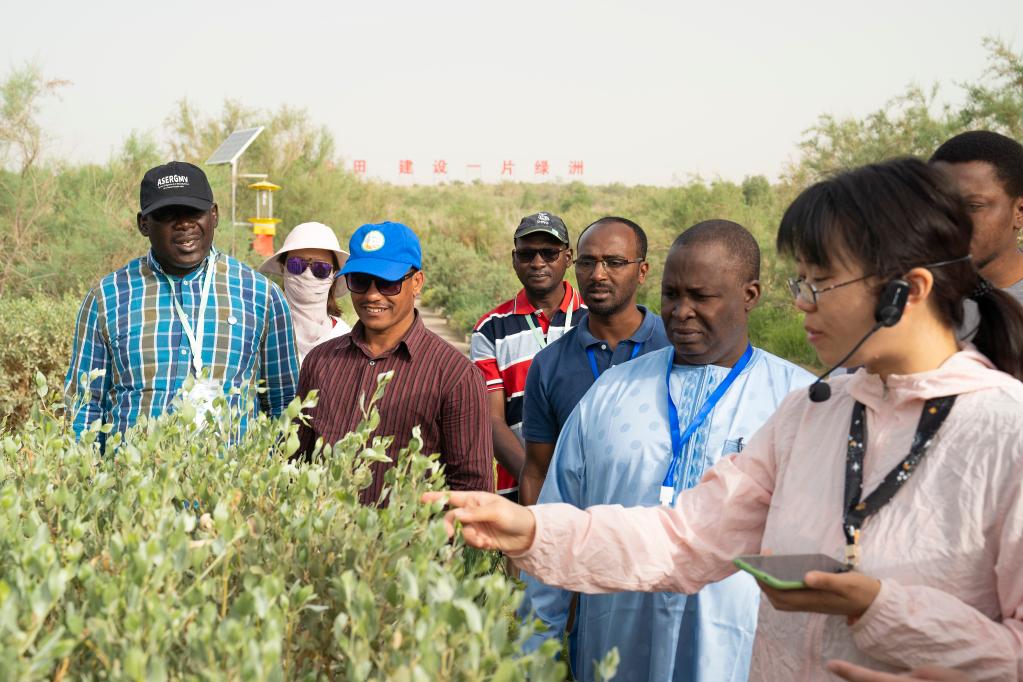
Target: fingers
(819, 580)
(434, 496)
(476, 538)
(816, 601)
(450, 497)
(855, 673)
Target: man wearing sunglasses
(183, 309)
(434, 386)
(610, 268)
(505, 340)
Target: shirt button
(184, 352)
(232, 320)
(372, 362)
(603, 346)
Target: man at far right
(988, 170)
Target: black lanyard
(856, 511)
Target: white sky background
(641, 92)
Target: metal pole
(234, 188)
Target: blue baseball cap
(385, 250)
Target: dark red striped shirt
(434, 387)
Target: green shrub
(172, 557)
(35, 336)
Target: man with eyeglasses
(434, 386)
(651, 427)
(505, 340)
(183, 310)
(611, 266)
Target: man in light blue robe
(616, 446)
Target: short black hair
(1004, 153)
(641, 243)
(739, 242)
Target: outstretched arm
(644, 549)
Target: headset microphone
(890, 306)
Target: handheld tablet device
(786, 572)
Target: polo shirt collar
(640, 336)
(568, 302)
(413, 340)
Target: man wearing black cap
(506, 339)
(183, 310)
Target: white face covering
(307, 297)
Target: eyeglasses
(549, 255)
(320, 269)
(358, 283)
(590, 264)
(807, 293)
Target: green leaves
(171, 557)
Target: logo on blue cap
(373, 241)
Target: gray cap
(548, 223)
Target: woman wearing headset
(912, 467)
(309, 262)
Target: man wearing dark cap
(434, 386)
(506, 339)
(182, 310)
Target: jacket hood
(964, 372)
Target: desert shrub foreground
(177, 556)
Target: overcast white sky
(649, 92)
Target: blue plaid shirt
(128, 327)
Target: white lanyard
(195, 337)
(536, 332)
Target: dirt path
(438, 324)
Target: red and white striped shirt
(503, 345)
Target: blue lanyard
(593, 360)
(679, 439)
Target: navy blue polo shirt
(561, 373)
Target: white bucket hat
(306, 236)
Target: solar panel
(233, 147)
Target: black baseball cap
(548, 223)
(175, 184)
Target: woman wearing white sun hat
(309, 262)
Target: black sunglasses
(549, 254)
(358, 283)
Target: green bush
(35, 336)
(172, 557)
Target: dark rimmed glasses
(548, 254)
(358, 283)
(586, 264)
(296, 265)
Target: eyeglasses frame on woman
(798, 284)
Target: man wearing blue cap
(434, 387)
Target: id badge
(202, 395)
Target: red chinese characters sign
(441, 168)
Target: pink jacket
(948, 548)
